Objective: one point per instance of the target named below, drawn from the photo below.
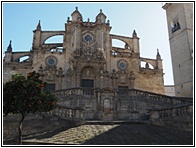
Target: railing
(175, 111)
(67, 113)
(64, 93)
(167, 106)
(124, 93)
(144, 95)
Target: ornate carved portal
(88, 77)
(106, 103)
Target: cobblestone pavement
(117, 134)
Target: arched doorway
(106, 105)
(87, 77)
(107, 109)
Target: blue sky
(148, 19)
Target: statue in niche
(60, 72)
(50, 75)
(123, 77)
(72, 65)
(41, 71)
(87, 72)
(132, 75)
(114, 75)
(100, 53)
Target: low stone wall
(180, 117)
(33, 124)
(183, 122)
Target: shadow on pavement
(142, 135)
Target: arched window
(175, 25)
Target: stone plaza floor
(113, 134)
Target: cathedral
(95, 81)
(88, 74)
(87, 58)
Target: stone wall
(180, 117)
(33, 124)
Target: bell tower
(180, 28)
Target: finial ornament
(76, 8)
(9, 48)
(100, 10)
(158, 55)
(38, 26)
(68, 19)
(158, 52)
(134, 33)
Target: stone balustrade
(63, 94)
(158, 106)
(170, 112)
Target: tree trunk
(20, 130)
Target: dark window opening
(87, 83)
(123, 87)
(175, 27)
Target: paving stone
(118, 134)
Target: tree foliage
(27, 95)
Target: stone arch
(151, 62)
(47, 34)
(18, 56)
(24, 58)
(55, 38)
(87, 71)
(143, 65)
(120, 43)
(95, 68)
(126, 40)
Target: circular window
(51, 61)
(122, 64)
(88, 37)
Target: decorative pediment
(89, 53)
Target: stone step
(115, 122)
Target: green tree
(25, 95)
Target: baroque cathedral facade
(86, 58)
